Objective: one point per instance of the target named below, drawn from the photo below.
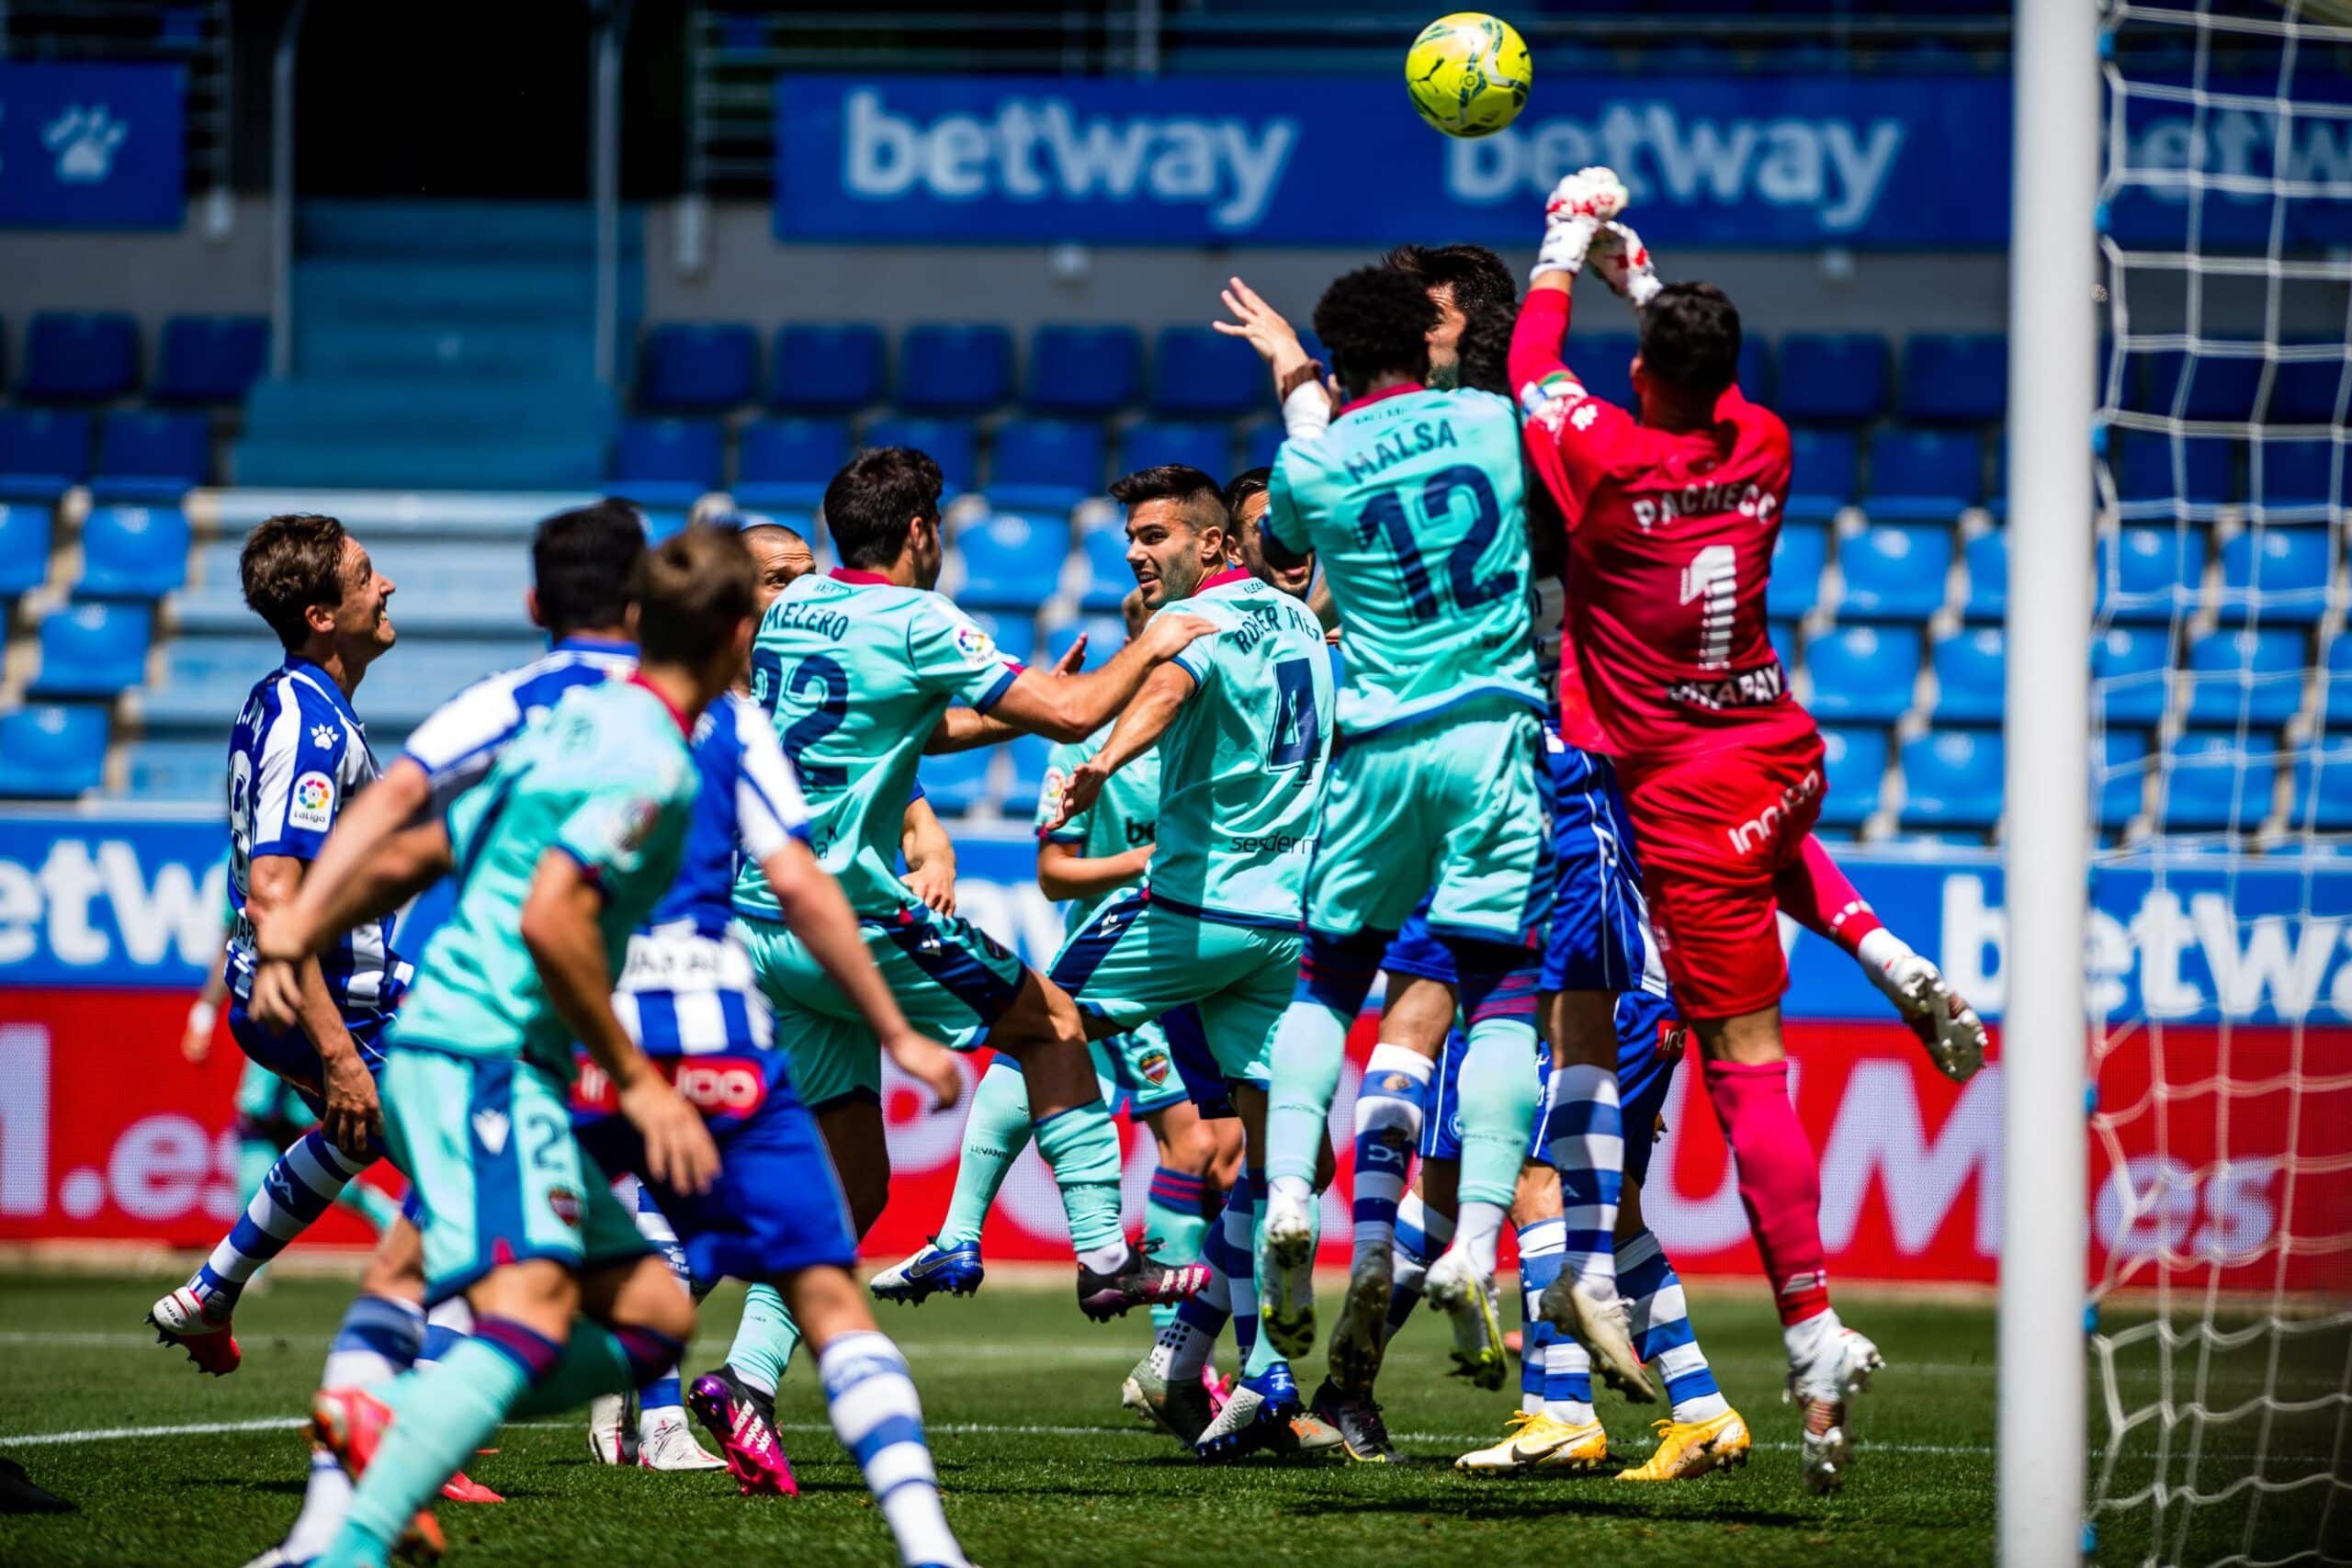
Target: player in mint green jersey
(1242, 726)
(1413, 501)
(858, 667)
(559, 852)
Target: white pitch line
(111, 1434)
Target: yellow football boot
(1686, 1449)
(1533, 1442)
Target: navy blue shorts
(289, 1053)
(776, 1207)
(1188, 1042)
(1599, 937)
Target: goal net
(2219, 944)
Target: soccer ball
(1468, 73)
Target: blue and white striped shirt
(464, 736)
(297, 754)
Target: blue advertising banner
(1749, 160)
(90, 146)
(124, 901)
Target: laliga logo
(314, 793)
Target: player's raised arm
(1075, 706)
(1147, 718)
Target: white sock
(1297, 1190)
(1180, 1351)
(1809, 1343)
(324, 1502)
(1107, 1259)
(1478, 1232)
(878, 1418)
(1565, 1358)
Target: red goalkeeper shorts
(1712, 832)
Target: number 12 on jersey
(1386, 515)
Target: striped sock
(1539, 1247)
(1183, 1345)
(377, 1340)
(442, 1414)
(879, 1420)
(1422, 1236)
(1567, 1381)
(1172, 1217)
(1586, 1135)
(300, 1187)
(1388, 1128)
(445, 1323)
(1662, 1331)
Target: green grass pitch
(1039, 1463)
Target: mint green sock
(379, 1208)
(1498, 1094)
(594, 1362)
(1179, 1231)
(443, 1413)
(1309, 1045)
(764, 1340)
(1260, 1353)
(995, 1132)
(1082, 1148)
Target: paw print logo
(85, 140)
(322, 736)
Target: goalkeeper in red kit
(1671, 519)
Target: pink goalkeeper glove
(1624, 263)
(1579, 205)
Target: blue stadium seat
(1863, 672)
(1208, 448)
(2336, 671)
(1825, 471)
(43, 453)
(2119, 784)
(1103, 553)
(1894, 571)
(1800, 555)
(1855, 762)
(2127, 671)
(51, 753)
(1014, 632)
(1951, 778)
(2254, 675)
(2150, 575)
(2277, 576)
(1604, 363)
(826, 367)
(955, 781)
(2147, 485)
(92, 651)
(1011, 561)
(1028, 753)
(1199, 374)
(149, 456)
(24, 548)
(2199, 386)
(951, 443)
(1987, 559)
(696, 366)
(210, 359)
(788, 462)
(1050, 465)
(1755, 368)
(2305, 391)
(1783, 637)
(1084, 368)
(2210, 782)
(1106, 634)
(669, 462)
(1971, 674)
(1924, 474)
(80, 357)
(133, 552)
(2324, 786)
(954, 367)
(1955, 378)
(2294, 476)
(176, 771)
(1835, 377)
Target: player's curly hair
(1690, 339)
(290, 563)
(1375, 320)
(1475, 276)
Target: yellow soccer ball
(1468, 73)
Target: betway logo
(89, 904)
(1837, 167)
(2175, 956)
(1040, 149)
(2240, 159)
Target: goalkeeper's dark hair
(581, 562)
(1690, 339)
(1241, 487)
(1198, 498)
(1474, 275)
(1375, 320)
(872, 504)
(1484, 353)
(694, 589)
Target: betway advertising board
(2229, 995)
(1887, 160)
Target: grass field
(1039, 1462)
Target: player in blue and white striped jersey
(295, 755)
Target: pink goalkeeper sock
(1779, 1180)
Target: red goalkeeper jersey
(1670, 547)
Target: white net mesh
(2219, 969)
